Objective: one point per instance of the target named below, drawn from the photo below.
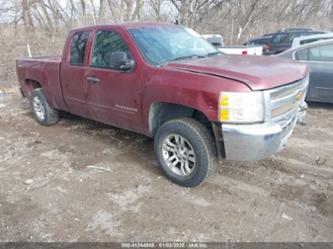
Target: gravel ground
(83, 181)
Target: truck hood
(257, 72)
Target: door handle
(93, 79)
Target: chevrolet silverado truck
(166, 82)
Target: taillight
(244, 52)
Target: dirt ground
(83, 181)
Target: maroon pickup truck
(166, 82)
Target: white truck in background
(217, 41)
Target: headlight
(242, 107)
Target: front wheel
(185, 151)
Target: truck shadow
(127, 147)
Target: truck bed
(243, 50)
(45, 71)
(50, 58)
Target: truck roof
(124, 25)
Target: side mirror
(120, 61)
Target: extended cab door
(114, 96)
(73, 70)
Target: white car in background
(302, 40)
(217, 41)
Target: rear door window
(321, 53)
(78, 47)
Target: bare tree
(26, 14)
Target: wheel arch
(30, 85)
(161, 112)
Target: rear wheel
(185, 151)
(43, 112)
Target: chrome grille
(286, 99)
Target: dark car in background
(268, 35)
(298, 30)
(282, 41)
(275, 43)
(319, 57)
(260, 41)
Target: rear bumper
(258, 141)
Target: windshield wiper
(194, 56)
(215, 53)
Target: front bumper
(259, 141)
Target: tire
(42, 111)
(183, 142)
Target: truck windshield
(162, 44)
